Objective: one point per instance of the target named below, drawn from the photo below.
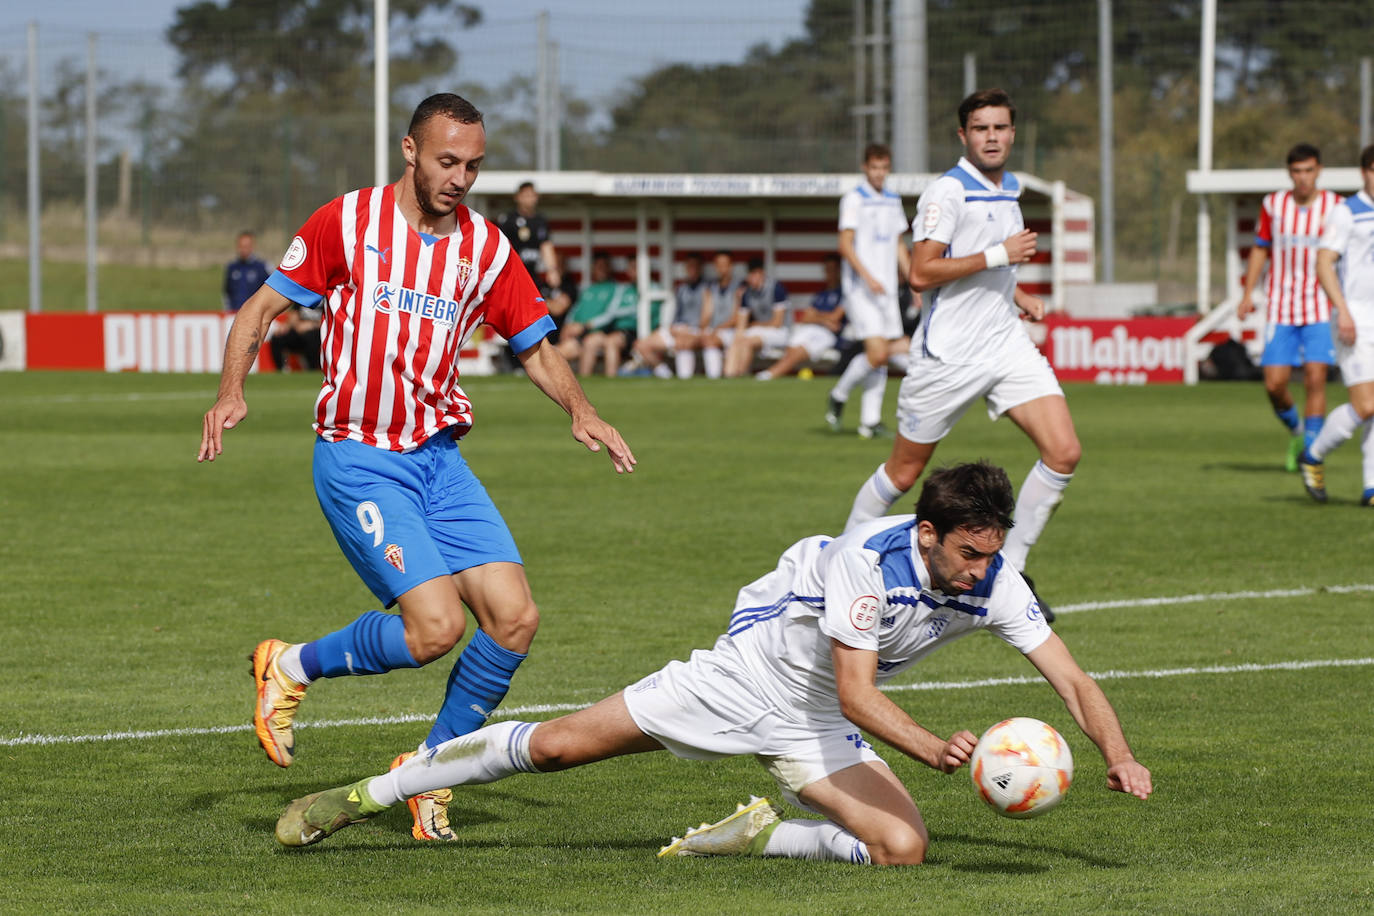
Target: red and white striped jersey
(398, 307)
(1292, 233)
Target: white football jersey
(878, 221)
(869, 589)
(1349, 231)
(970, 319)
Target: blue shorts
(1295, 344)
(403, 518)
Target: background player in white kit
(872, 224)
(1349, 238)
(969, 237)
(793, 682)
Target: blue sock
(1289, 418)
(1311, 428)
(373, 644)
(476, 686)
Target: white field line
(506, 713)
(1216, 596)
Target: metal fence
(202, 134)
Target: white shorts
(813, 338)
(708, 707)
(767, 335)
(935, 394)
(872, 316)
(1357, 362)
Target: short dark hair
(1303, 152)
(877, 151)
(1367, 157)
(451, 106)
(693, 256)
(756, 263)
(248, 232)
(722, 251)
(976, 496)
(831, 257)
(523, 185)
(601, 255)
(985, 98)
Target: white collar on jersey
(979, 176)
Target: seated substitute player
(718, 314)
(404, 274)
(793, 682)
(593, 329)
(1349, 238)
(683, 336)
(760, 321)
(816, 330)
(970, 237)
(1298, 319)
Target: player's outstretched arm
(240, 352)
(1094, 714)
(869, 708)
(551, 374)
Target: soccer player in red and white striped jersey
(405, 274)
(1298, 320)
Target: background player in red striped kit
(405, 273)
(1298, 319)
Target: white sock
(1040, 495)
(871, 401)
(819, 840)
(686, 363)
(874, 498)
(1339, 426)
(289, 663)
(1367, 445)
(714, 359)
(485, 755)
(662, 371)
(853, 374)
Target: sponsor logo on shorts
(295, 254)
(863, 613)
(394, 557)
(858, 741)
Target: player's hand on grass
(593, 432)
(226, 414)
(1130, 777)
(1020, 247)
(958, 750)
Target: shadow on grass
(1250, 467)
(1036, 852)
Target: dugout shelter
(789, 221)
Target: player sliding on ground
(794, 682)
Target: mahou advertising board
(1132, 351)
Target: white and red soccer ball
(1021, 767)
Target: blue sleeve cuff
(1261, 243)
(293, 290)
(532, 335)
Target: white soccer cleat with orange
(278, 699)
(730, 836)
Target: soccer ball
(1021, 767)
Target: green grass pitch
(135, 582)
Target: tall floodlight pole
(910, 144)
(970, 73)
(35, 224)
(381, 91)
(92, 240)
(1107, 225)
(1366, 89)
(555, 111)
(541, 95)
(1207, 95)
